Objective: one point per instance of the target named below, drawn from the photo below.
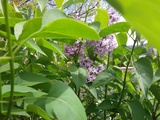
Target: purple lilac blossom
(114, 16)
(71, 51)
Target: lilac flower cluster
(106, 44)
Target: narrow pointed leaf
(42, 4)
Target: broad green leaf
(102, 17)
(37, 110)
(6, 67)
(29, 79)
(95, 26)
(63, 103)
(52, 46)
(71, 27)
(114, 28)
(59, 3)
(156, 76)
(42, 4)
(103, 78)
(122, 38)
(145, 19)
(144, 73)
(137, 110)
(18, 90)
(4, 35)
(139, 50)
(51, 15)
(155, 91)
(23, 30)
(31, 44)
(79, 76)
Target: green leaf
(52, 46)
(103, 78)
(63, 103)
(37, 110)
(18, 90)
(137, 110)
(156, 76)
(70, 27)
(29, 79)
(95, 25)
(59, 3)
(145, 19)
(105, 105)
(79, 76)
(42, 4)
(114, 28)
(4, 35)
(144, 73)
(51, 15)
(102, 17)
(155, 91)
(31, 44)
(70, 2)
(122, 38)
(6, 67)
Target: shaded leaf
(103, 78)
(105, 105)
(156, 76)
(63, 103)
(155, 91)
(137, 110)
(144, 73)
(6, 67)
(37, 110)
(79, 76)
(29, 79)
(122, 38)
(42, 4)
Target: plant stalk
(11, 61)
(125, 76)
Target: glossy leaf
(102, 17)
(29, 79)
(71, 27)
(114, 28)
(145, 19)
(42, 4)
(103, 78)
(144, 73)
(137, 110)
(63, 103)
(37, 110)
(18, 90)
(79, 76)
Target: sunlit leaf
(42, 4)
(122, 38)
(114, 28)
(102, 17)
(145, 19)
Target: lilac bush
(101, 48)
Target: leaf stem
(125, 76)
(11, 61)
(105, 96)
